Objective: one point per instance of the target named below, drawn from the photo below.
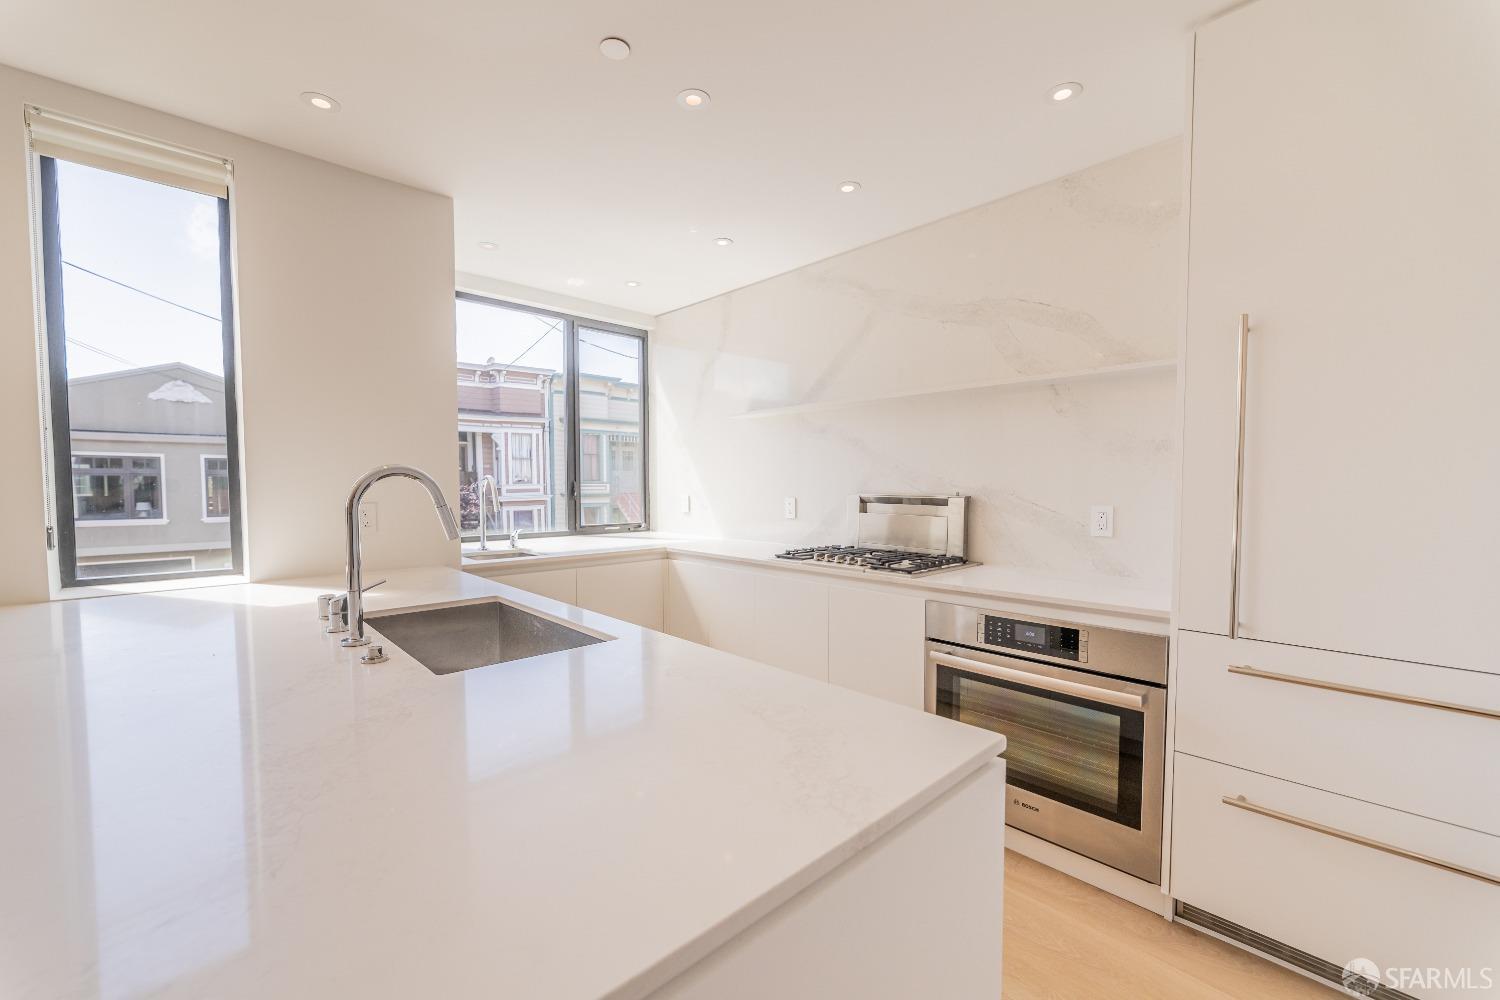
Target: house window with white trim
(521, 465)
(118, 488)
(215, 488)
(524, 519)
(593, 458)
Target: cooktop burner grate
(856, 557)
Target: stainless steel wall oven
(1083, 710)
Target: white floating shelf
(1053, 378)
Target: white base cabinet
(918, 913)
(867, 639)
(876, 643)
(629, 591)
(1338, 897)
(558, 584)
(1354, 724)
(711, 604)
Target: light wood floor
(1065, 940)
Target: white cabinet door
(1256, 705)
(711, 604)
(875, 642)
(1326, 888)
(791, 623)
(1344, 195)
(558, 584)
(630, 591)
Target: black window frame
(59, 414)
(573, 451)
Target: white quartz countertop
(205, 796)
(984, 581)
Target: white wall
(1078, 273)
(345, 304)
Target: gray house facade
(150, 471)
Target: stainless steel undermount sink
(465, 636)
(498, 553)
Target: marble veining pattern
(1080, 273)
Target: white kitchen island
(205, 796)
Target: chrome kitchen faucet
(350, 605)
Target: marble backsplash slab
(1081, 273)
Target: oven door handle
(1120, 699)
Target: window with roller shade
(133, 241)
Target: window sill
(215, 520)
(147, 587)
(119, 522)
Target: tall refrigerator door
(1344, 195)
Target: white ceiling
(584, 168)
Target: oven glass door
(1085, 754)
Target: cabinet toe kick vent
(1283, 953)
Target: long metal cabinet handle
(1240, 802)
(1404, 699)
(1120, 699)
(1239, 478)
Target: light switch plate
(1102, 522)
(789, 508)
(687, 503)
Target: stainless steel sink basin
(498, 553)
(465, 636)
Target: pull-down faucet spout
(354, 605)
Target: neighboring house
(508, 419)
(150, 471)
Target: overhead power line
(141, 291)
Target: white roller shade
(67, 138)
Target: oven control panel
(1034, 637)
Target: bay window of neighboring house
(133, 254)
(559, 404)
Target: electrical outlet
(369, 517)
(1102, 522)
(687, 503)
(789, 508)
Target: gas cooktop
(858, 558)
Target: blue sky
(162, 240)
(165, 241)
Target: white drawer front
(1428, 760)
(1330, 897)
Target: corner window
(139, 357)
(554, 407)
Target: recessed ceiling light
(487, 245)
(575, 282)
(693, 99)
(724, 241)
(614, 48)
(1065, 91)
(849, 187)
(320, 101)
(632, 284)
